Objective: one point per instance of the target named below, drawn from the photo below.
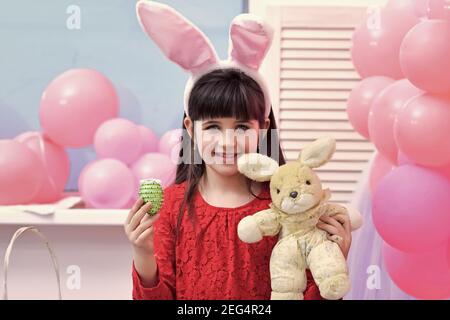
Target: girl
(190, 249)
(196, 254)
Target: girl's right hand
(139, 227)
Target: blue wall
(36, 46)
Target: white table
(90, 245)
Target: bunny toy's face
(295, 188)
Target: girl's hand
(338, 227)
(139, 227)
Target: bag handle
(16, 236)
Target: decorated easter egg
(151, 190)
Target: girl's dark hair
(218, 94)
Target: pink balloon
(130, 203)
(443, 171)
(81, 177)
(439, 9)
(21, 173)
(170, 144)
(424, 56)
(74, 105)
(448, 253)
(149, 139)
(422, 130)
(119, 139)
(421, 7)
(381, 166)
(156, 166)
(424, 275)
(55, 162)
(383, 112)
(360, 100)
(106, 183)
(403, 159)
(411, 208)
(376, 42)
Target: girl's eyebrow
(218, 122)
(210, 122)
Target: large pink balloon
(81, 176)
(421, 7)
(170, 144)
(383, 112)
(422, 130)
(381, 166)
(106, 183)
(418, 7)
(376, 42)
(119, 139)
(411, 208)
(149, 139)
(439, 9)
(403, 159)
(443, 171)
(448, 253)
(360, 100)
(424, 56)
(424, 275)
(156, 166)
(55, 162)
(21, 173)
(74, 105)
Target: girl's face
(221, 140)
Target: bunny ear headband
(183, 43)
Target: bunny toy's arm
(263, 223)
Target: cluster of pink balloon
(32, 169)
(127, 153)
(80, 108)
(402, 105)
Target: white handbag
(16, 236)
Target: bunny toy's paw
(335, 287)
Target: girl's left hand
(339, 230)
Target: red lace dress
(219, 265)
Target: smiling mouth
(227, 158)
(225, 155)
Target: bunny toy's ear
(318, 152)
(256, 166)
(179, 39)
(250, 39)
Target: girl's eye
(242, 127)
(212, 127)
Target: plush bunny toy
(298, 201)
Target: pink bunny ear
(177, 37)
(250, 40)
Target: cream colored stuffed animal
(298, 201)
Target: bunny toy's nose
(293, 194)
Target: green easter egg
(151, 190)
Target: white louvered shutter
(311, 76)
